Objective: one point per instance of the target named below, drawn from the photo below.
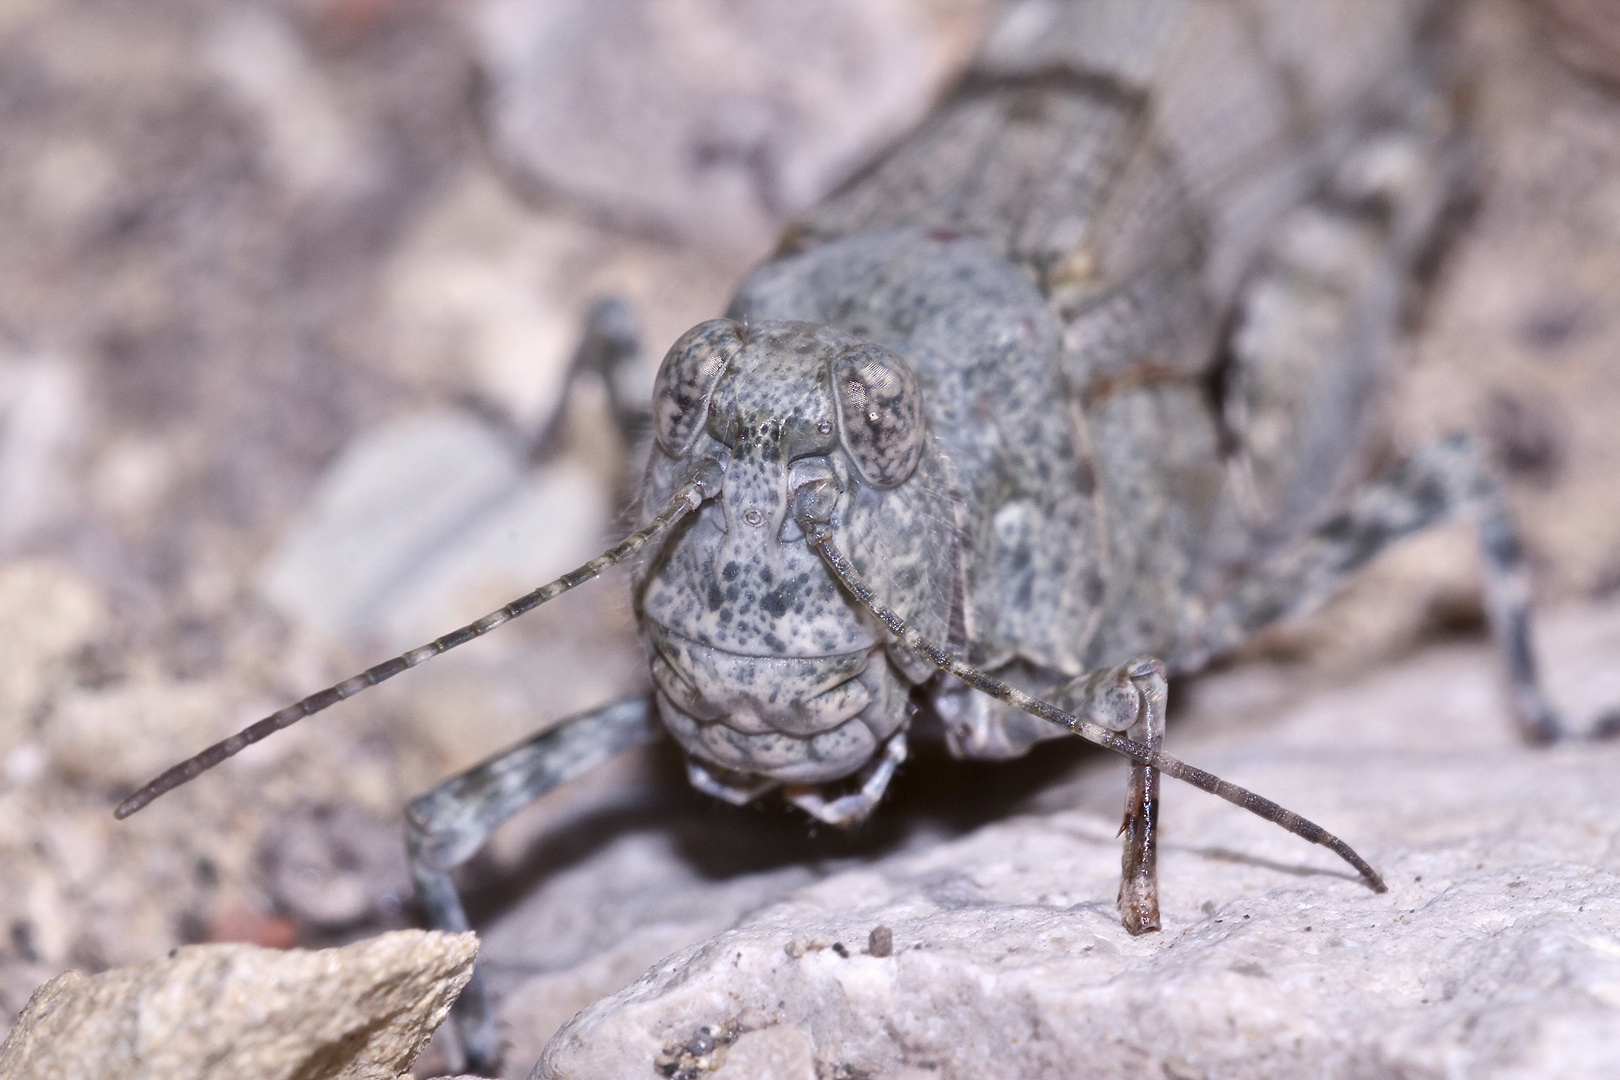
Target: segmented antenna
(820, 537)
(701, 485)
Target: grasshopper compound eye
(880, 413)
(686, 380)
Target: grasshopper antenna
(819, 535)
(701, 485)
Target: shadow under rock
(933, 797)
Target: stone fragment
(310, 145)
(124, 733)
(428, 522)
(362, 1012)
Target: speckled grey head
(763, 666)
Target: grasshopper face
(765, 668)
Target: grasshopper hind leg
(1322, 309)
(448, 825)
(1445, 481)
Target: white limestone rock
(1496, 952)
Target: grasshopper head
(764, 666)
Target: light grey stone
(43, 414)
(779, 1052)
(310, 145)
(422, 519)
(1496, 952)
(428, 522)
(393, 499)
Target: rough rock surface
(1495, 953)
(362, 1012)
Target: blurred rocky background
(288, 293)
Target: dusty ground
(241, 244)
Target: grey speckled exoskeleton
(1069, 393)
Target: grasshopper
(1064, 396)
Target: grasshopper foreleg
(855, 807)
(445, 827)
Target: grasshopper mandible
(1058, 400)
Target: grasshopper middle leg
(445, 827)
